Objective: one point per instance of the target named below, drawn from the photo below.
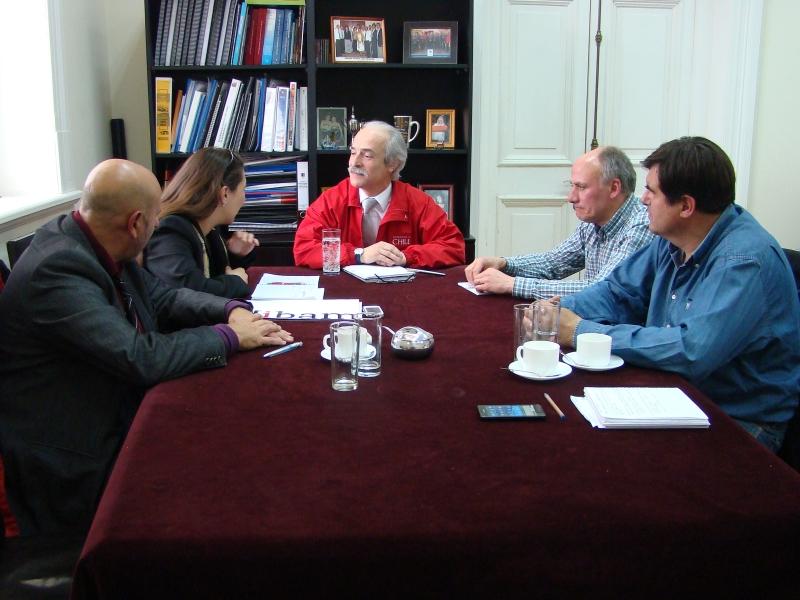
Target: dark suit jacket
(175, 255)
(73, 370)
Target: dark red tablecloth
(259, 480)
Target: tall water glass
(523, 325)
(546, 315)
(331, 251)
(344, 355)
(369, 362)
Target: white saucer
(517, 368)
(326, 353)
(614, 362)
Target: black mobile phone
(511, 411)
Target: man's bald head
(120, 205)
(118, 187)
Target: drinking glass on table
(546, 314)
(331, 251)
(523, 325)
(344, 341)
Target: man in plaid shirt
(614, 226)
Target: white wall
(774, 196)
(128, 74)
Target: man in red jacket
(383, 220)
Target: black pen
(288, 348)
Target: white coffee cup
(346, 342)
(593, 349)
(539, 357)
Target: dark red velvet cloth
(258, 480)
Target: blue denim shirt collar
(710, 241)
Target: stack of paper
(376, 273)
(631, 408)
(288, 287)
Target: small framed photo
(430, 41)
(440, 128)
(442, 194)
(358, 40)
(331, 132)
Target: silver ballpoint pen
(288, 348)
(439, 273)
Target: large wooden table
(259, 480)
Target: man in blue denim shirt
(714, 300)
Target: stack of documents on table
(288, 287)
(375, 273)
(639, 407)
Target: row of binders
(276, 188)
(261, 115)
(229, 32)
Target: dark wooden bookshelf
(376, 90)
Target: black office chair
(3, 272)
(790, 451)
(16, 247)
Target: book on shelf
(281, 112)
(163, 123)
(175, 114)
(302, 185)
(187, 100)
(291, 116)
(196, 12)
(227, 113)
(217, 15)
(205, 32)
(301, 127)
(228, 32)
(198, 96)
(257, 115)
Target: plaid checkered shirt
(596, 249)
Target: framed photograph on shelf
(440, 128)
(430, 42)
(442, 194)
(358, 40)
(331, 132)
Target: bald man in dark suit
(83, 333)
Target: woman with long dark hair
(189, 248)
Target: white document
(307, 280)
(639, 407)
(308, 310)
(377, 273)
(470, 287)
(288, 287)
(287, 291)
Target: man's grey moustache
(356, 171)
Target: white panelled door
(667, 68)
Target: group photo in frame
(442, 194)
(440, 128)
(430, 42)
(358, 40)
(331, 128)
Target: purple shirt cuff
(229, 338)
(233, 304)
